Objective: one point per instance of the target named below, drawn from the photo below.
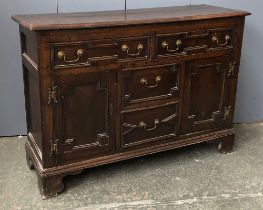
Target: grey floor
(195, 177)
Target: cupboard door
(84, 116)
(206, 97)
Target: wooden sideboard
(102, 87)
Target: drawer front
(194, 42)
(87, 53)
(133, 48)
(221, 38)
(70, 54)
(150, 83)
(148, 124)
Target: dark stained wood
(149, 124)
(99, 50)
(104, 87)
(89, 99)
(206, 89)
(193, 42)
(150, 83)
(50, 186)
(226, 144)
(120, 18)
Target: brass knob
(140, 47)
(158, 79)
(179, 42)
(61, 54)
(142, 124)
(143, 81)
(165, 44)
(214, 39)
(80, 52)
(124, 47)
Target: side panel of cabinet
(206, 98)
(84, 116)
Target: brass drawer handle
(178, 43)
(144, 126)
(62, 55)
(125, 48)
(144, 82)
(216, 40)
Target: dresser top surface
(120, 18)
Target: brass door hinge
(231, 71)
(227, 112)
(53, 147)
(52, 94)
(111, 109)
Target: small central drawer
(148, 124)
(95, 51)
(133, 48)
(150, 83)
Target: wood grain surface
(118, 18)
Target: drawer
(219, 38)
(150, 83)
(133, 48)
(70, 54)
(148, 124)
(91, 52)
(189, 43)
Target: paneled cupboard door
(207, 100)
(84, 116)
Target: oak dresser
(102, 87)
